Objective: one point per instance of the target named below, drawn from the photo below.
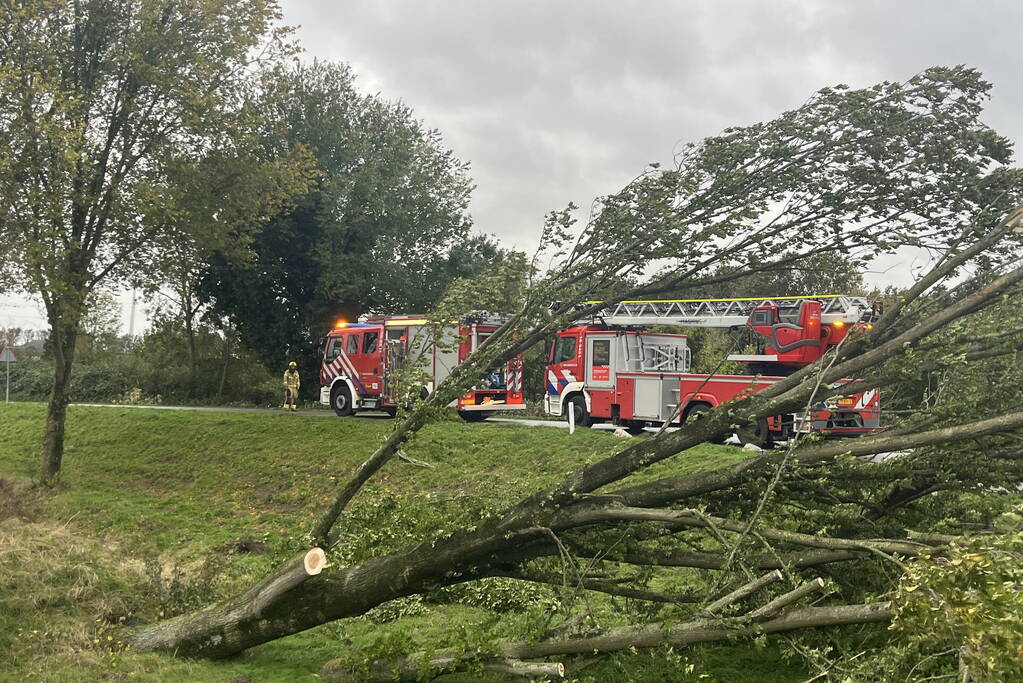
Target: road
(215, 409)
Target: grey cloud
(564, 100)
(568, 100)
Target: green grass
(148, 496)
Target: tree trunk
(251, 619)
(65, 335)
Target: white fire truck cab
(359, 360)
(608, 370)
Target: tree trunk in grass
(525, 532)
(65, 335)
(551, 522)
(288, 602)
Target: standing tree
(856, 172)
(114, 117)
(385, 229)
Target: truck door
(350, 359)
(370, 363)
(600, 363)
(565, 363)
(564, 369)
(331, 365)
(395, 354)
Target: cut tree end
(530, 670)
(315, 561)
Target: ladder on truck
(733, 312)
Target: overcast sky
(558, 101)
(565, 100)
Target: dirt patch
(244, 546)
(19, 499)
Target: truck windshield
(564, 350)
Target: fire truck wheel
(577, 404)
(696, 411)
(341, 401)
(758, 435)
(391, 412)
(474, 415)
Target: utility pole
(131, 318)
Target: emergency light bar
(403, 322)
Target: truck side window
(564, 350)
(353, 344)
(602, 352)
(369, 342)
(334, 350)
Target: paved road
(217, 409)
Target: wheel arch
(567, 397)
(699, 402)
(344, 381)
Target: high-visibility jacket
(291, 379)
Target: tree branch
(645, 636)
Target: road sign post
(7, 357)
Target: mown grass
(148, 497)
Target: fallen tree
(710, 216)
(769, 618)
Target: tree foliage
(125, 132)
(385, 229)
(852, 173)
(959, 613)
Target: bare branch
(740, 593)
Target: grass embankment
(159, 512)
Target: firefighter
(291, 384)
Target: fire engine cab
(359, 360)
(610, 369)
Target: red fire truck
(359, 360)
(610, 369)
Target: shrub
(957, 616)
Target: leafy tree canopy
(385, 230)
(125, 135)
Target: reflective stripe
(866, 398)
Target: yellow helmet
(292, 364)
